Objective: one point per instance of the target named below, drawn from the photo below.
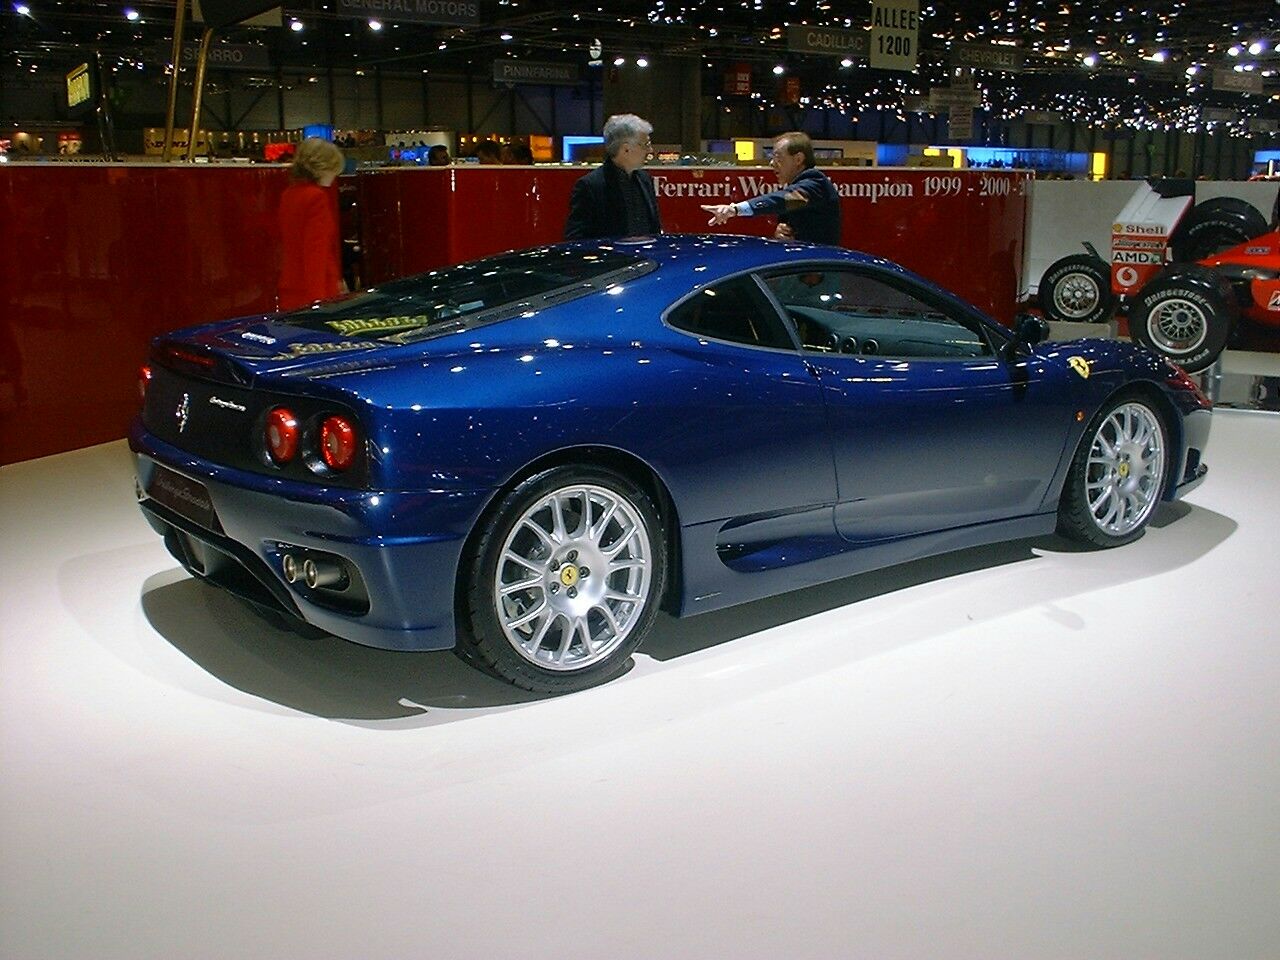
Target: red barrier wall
(963, 229)
(100, 258)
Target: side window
(842, 311)
(735, 310)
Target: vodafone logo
(1274, 302)
(1126, 276)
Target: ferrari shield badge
(1080, 365)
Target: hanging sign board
(1218, 114)
(530, 71)
(247, 56)
(463, 13)
(960, 124)
(988, 56)
(246, 13)
(837, 43)
(79, 87)
(1229, 80)
(951, 98)
(895, 34)
(1046, 117)
(737, 80)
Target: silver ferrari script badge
(183, 412)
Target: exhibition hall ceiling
(1159, 61)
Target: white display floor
(1010, 753)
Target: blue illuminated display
(567, 151)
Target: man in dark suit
(617, 199)
(807, 205)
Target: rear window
(453, 298)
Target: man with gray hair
(617, 199)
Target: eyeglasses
(646, 144)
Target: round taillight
(337, 443)
(282, 434)
(144, 381)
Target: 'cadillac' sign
(838, 43)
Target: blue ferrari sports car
(524, 457)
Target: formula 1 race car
(1183, 274)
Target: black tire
(1087, 476)
(1213, 226)
(1077, 289)
(486, 640)
(1186, 314)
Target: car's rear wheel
(1117, 475)
(1077, 289)
(566, 579)
(1186, 314)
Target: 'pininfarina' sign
(531, 71)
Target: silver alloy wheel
(1125, 469)
(1077, 295)
(573, 578)
(1177, 326)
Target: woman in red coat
(310, 268)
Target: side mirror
(1028, 330)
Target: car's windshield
(409, 308)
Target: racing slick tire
(1077, 289)
(565, 580)
(1185, 314)
(1215, 225)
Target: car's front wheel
(566, 579)
(1117, 476)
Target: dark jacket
(818, 221)
(597, 208)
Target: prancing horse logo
(1080, 365)
(183, 412)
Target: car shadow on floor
(335, 679)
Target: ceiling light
(1257, 47)
(1235, 50)
(641, 62)
(296, 26)
(846, 63)
(130, 14)
(779, 70)
(1091, 60)
(22, 10)
(506, 37)
(375, 25)
(619, 61)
